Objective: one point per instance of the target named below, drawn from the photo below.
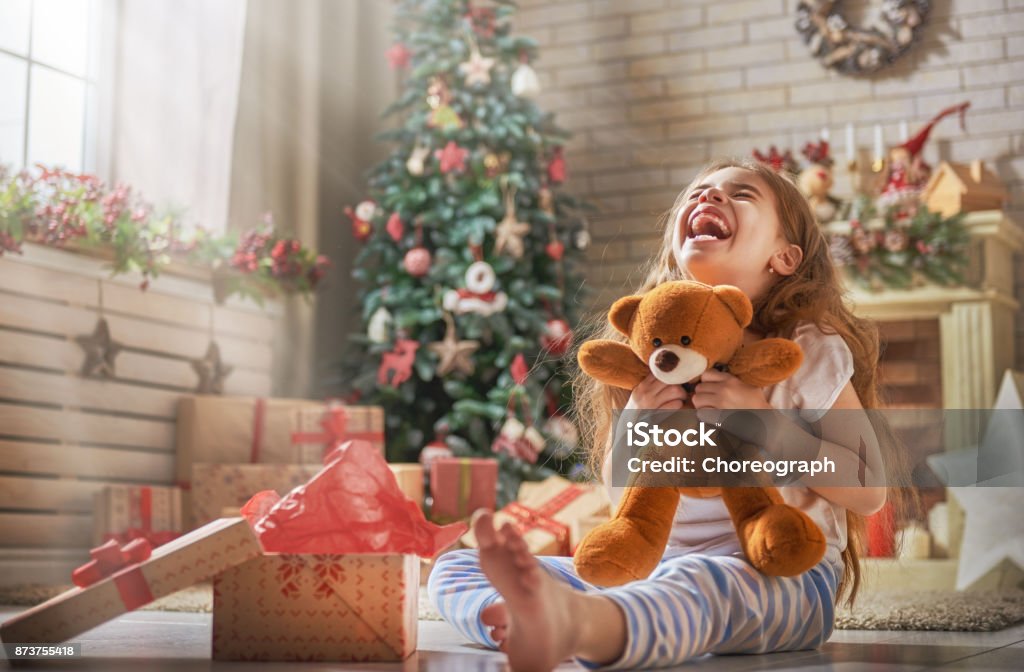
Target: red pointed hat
(916, 143)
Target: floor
(162, 641)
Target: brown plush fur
(682, 329)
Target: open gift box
(329, 572)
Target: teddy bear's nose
(666, 360)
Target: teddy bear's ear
(622, 312)
(737, 303)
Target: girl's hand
(652, 394)
(720, 390)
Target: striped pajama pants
(691, 605)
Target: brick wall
(653, 89)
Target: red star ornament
(398, 56)
(452, 157)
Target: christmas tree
(469, 269)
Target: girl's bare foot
(539, 632)
(495, 616)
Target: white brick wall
(655, 88)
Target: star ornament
(509, 236)
(452, 157)
(455, 355)
(100, 351)
(477, 70)
(211, 370)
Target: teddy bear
(677, 331)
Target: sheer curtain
(177, 69)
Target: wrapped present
(461, 485)
(316, 432)
(235, 430)
(339, 578)
(410, 480)
(127, 512)
(360, 607)
(546, 514)
(219, 486)
(118, 580)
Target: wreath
(853, 50)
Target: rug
(921, 610)
(933, 610)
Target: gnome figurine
(906, 171)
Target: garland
(911, 248)
(55, 207)
(853, 50)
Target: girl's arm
(840, 440)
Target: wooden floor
(161, 641)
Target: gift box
(360, 607)
(235, 430)
(410, 480)
(126, 512)
(216, 487)
(189, 559)
(339, 577)
(461, 485)
(318, 431)
(546, 513)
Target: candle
(850, 150)
(824, 134)
(904, 133)
(879, 151)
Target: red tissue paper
(353, 505)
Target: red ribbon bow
(334, 424)
(121, 563)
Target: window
(48, 79)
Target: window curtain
(176, 72)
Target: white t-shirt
(702, 525)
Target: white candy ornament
(379, 325)
(478, 295)
(525, 83)
(415, 164)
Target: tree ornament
(396, 366)
(378, 329)
(815, 181)
(477, 70)
(854, 50)
(564, 432)
(491, 164)
(519, 370)
(481, 20)
(557, 336)
(478, 296)
(454, 355)
(443, 115)
(525, 83)
(510, 231)
(519, 441)
(452, 157)
(556, 167)
(211, 371)
(398, 56)
(395, 227)
(581, 238)
(435, 450)
(414, 164)
(546, 201)
(417, 262)
(100, 351)
(555, 249)
(361, 218)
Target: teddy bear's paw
(782, 541)
(615, 553)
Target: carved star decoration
(212, 371)
(477, 70)
(454, 354)
(452, 157)
(100, 351)
(510, 231)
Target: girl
(741, 224)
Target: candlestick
(850, 151)
(878, 149)
(904, 133)
(824, 134)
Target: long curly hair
(813, 293)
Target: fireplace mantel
(976, 320)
